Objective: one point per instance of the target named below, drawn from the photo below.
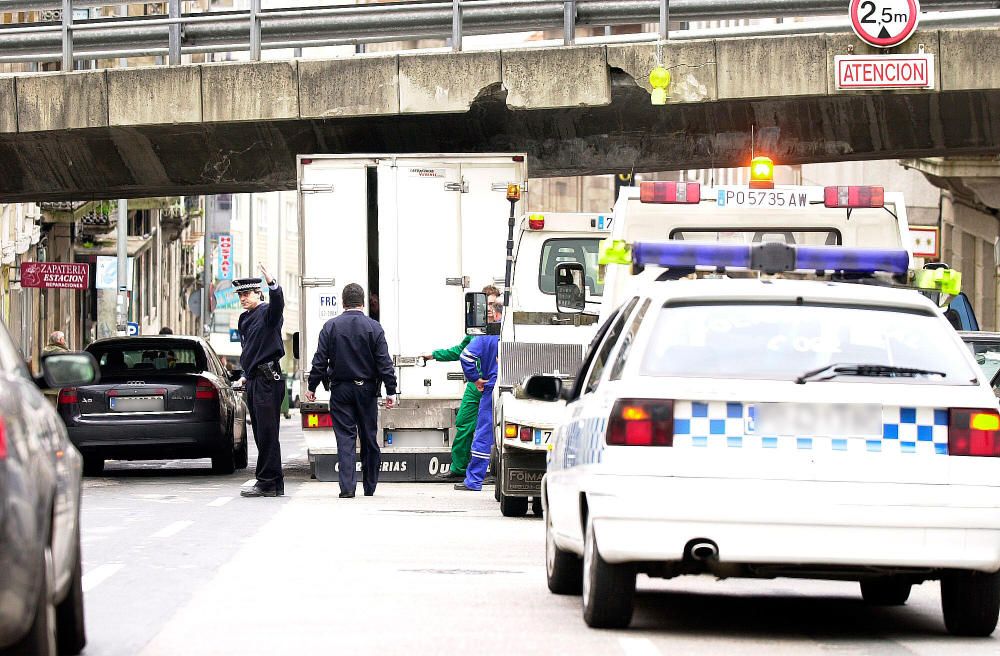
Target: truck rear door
(333, 224)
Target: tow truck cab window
(556, 251)
(782, 341)
(601, 359)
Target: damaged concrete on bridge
(237, 127)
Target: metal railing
(257, 29)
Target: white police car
(776, 427)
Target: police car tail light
(524, 433)
(684, 193)
(68, 395)
(510, 431)
(205, 390)
(641, 422)
(854, 196)
(974, 432)
(536, 221)
(317, 420)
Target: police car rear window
(773, 341)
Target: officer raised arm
(260, 333)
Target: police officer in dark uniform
(260, 333)
(353, 355)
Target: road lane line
(99, 575)
(638, 647)
(172, 530)
(221, 501)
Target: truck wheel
(563, 569)
(971, 602)
(495, 468)
(886, 591)
(41, 637)
(93, 466)
(608, 590)
(513, 506)
(70, 630)
(536, 506)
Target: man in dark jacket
(260, 333)
(353, 355)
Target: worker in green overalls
(468, 411)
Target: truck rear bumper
(522, 473)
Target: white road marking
(172, 530)
(99, 575)
(638, 647)
(221, 501)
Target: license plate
(136, 403)
(524, 480)
(815, 420)
(542, 436)
(766, 198)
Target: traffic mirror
(571, 288)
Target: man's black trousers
(264, 396)
(354, 411)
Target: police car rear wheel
(563, 569)
(886, 591)
(970, 602)
(608, 590)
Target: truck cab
(535, 338)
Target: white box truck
(536, 339)
(416, 232)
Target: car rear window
(783, 341)
(160, 358)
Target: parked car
(41, 593)
(160, 397)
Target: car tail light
(973, 432)
(3, 440)
(641, 422)
(317, 420)
(854, 196)
(670, 192)
(68, 395)
(525, 433)
(510, 431)
(205, 390)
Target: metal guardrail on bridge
(257, 29)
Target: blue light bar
(689, 254)
(770, 257)
(851, 260)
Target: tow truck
(535, 339)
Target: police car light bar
(685, 193)
(850, 197)
(767, 257)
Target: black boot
(258, 491)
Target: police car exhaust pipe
(704, 551)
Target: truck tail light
(3, 440)
(854, 196)
(524, 433)
(205, 390)
(536, 221)
(68, 395)
(317, 420)
(641, 422)
(685, 193)
(510, 431)
(973, 432)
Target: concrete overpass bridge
(236, 127)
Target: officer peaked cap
(246, 285)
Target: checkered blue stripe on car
(721, 424)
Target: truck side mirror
(295, 345)
(571, 288)
(475, 313)
(543, 388)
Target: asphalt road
(175, 562)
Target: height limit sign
(884, 23)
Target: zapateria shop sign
(55, 275)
